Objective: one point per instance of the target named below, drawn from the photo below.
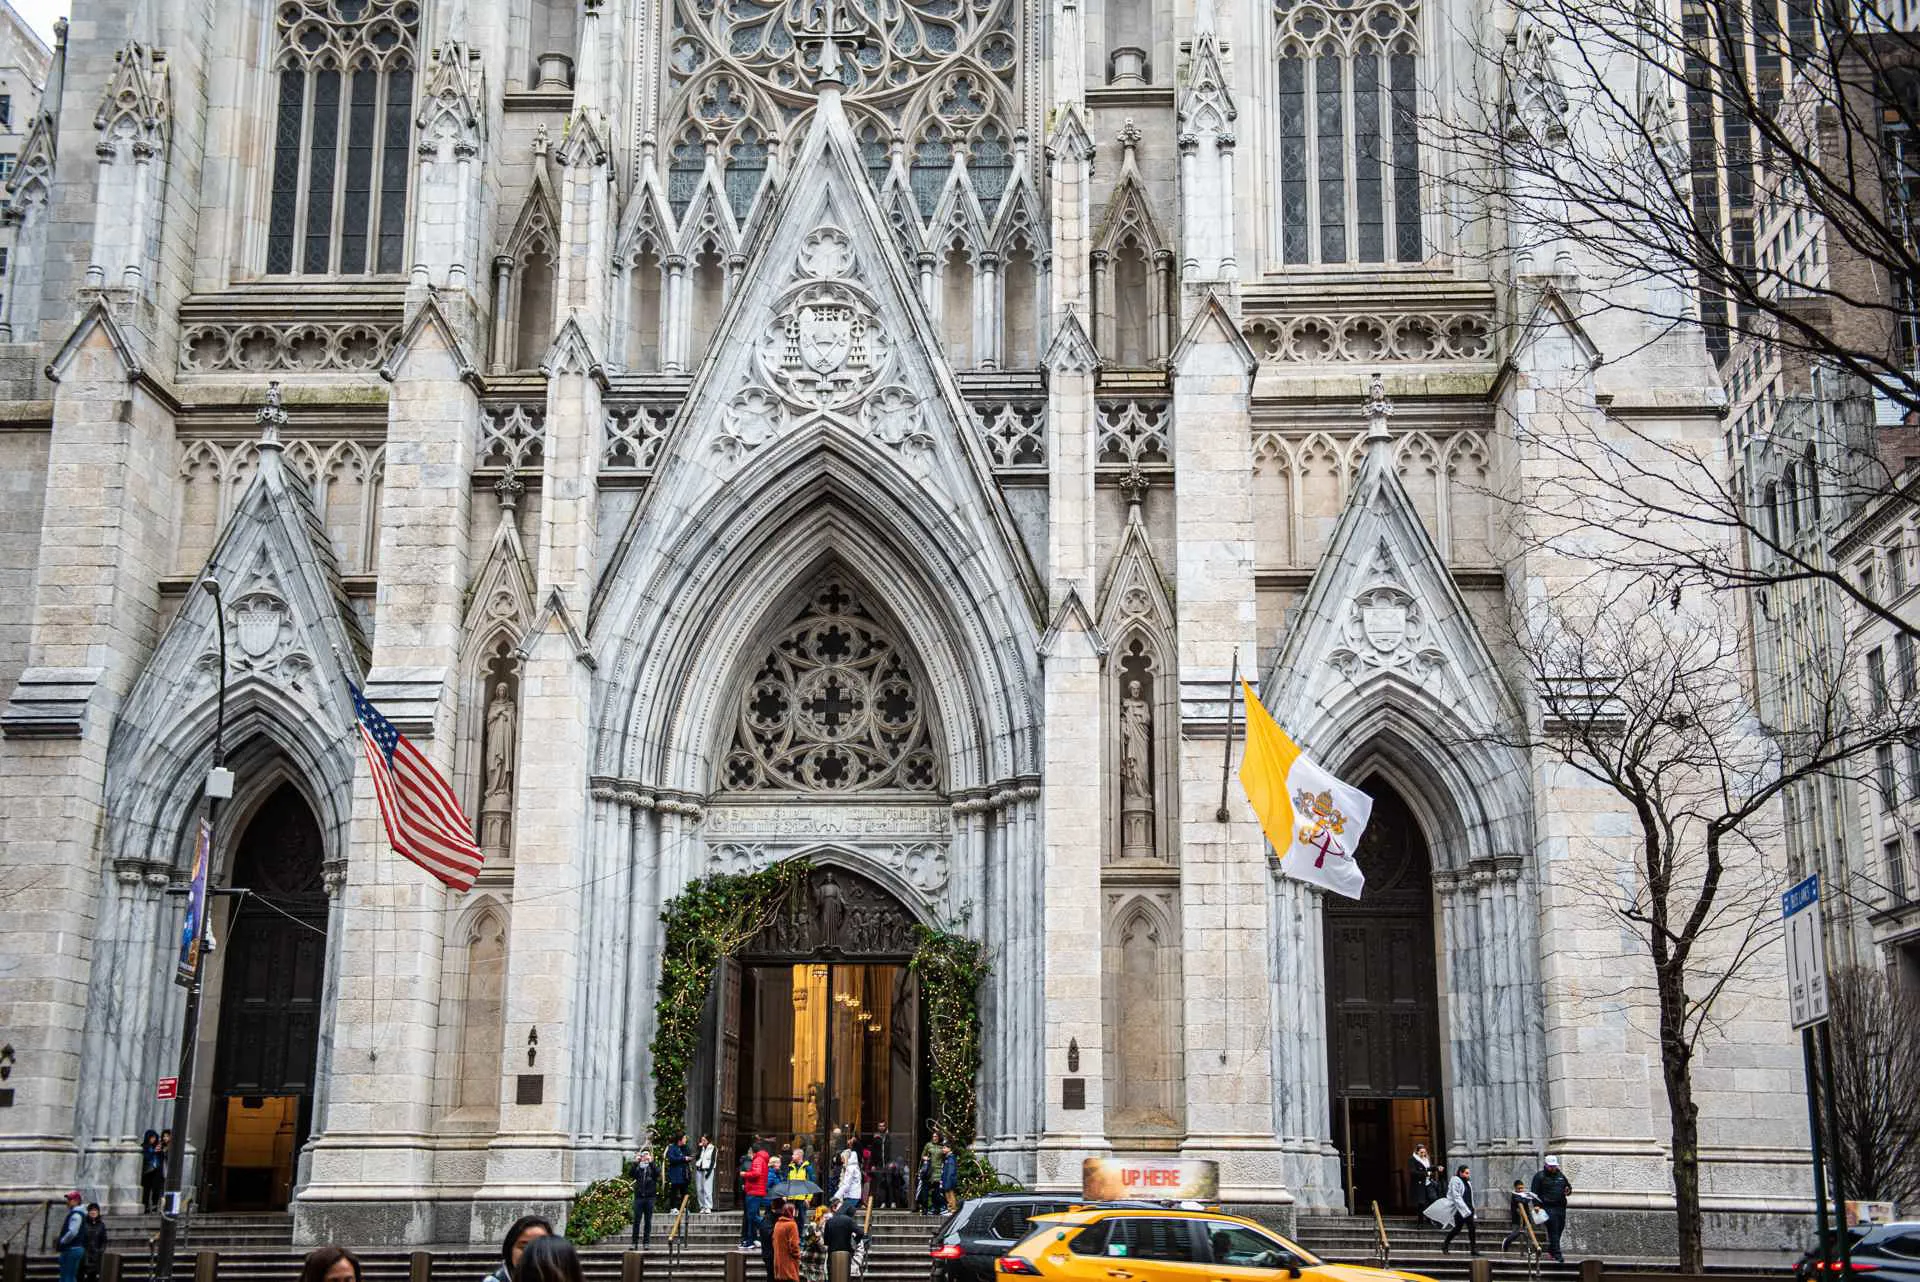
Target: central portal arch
(817, 1030)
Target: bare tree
(1649, 701)
(1875, 1029)
(1752, 169)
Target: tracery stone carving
(1015, 433)
(924, 78)
(635, 433)
(512, 435)
(1431, 336)
(1135, 432)
(833, 707)
(303, 347)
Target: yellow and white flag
(1313, 820)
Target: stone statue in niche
(499, 739)
(1136, 773)
(499, 757)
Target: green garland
(712, 918)
(602, 1209)
(716, 917)
(951, 969)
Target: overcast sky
(40, 15)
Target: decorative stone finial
(271, 419)
(830, 75)
(1134, 485)
(1379, 409)
(509, 488)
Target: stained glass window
(1348, 170)
(340, 136)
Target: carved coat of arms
(826, 337)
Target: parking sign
(1806, 953)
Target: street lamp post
(219, 787)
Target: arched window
(1772, 504)
(341, 133)
(1811, 461)
(1790, 500)
(1349, 163)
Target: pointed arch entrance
(1383, 1010)
(818, 1030)
(272, 986)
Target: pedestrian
(330, 1264)
(763, 1233)
(929, 1185)
(646, 1187)
(520, 1235)
(1422, 1180)
(549, 1259)
(753, 1191)
(1521, 1205)
(813, 1247)
(153, 1172)
(679, 1161)
(72, 1240)
(840, 1234)
(848, 1190)
(1552, 1187)
(786, 1246)
(705, 1158)
(1460, 1195)
(93, 1243)
(885, 1170)
(797, 1168)
(950, 1178)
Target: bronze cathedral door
(1383, 1012)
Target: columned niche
(816, 1028)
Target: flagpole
(1226, 754)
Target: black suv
(1890, 1252)
(967, 1243)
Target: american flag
(424, 819)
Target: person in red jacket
(753, 1183)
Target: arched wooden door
(270, 997)
(1383, 1011)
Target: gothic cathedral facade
(878, 431)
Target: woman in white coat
(849, 1190)
(703, 1164)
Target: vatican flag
(1313, 820)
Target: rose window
(833, 707)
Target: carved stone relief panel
(841, 914)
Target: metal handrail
(25, 1225)
(1382, 1247)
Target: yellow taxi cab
(1141, 1244)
